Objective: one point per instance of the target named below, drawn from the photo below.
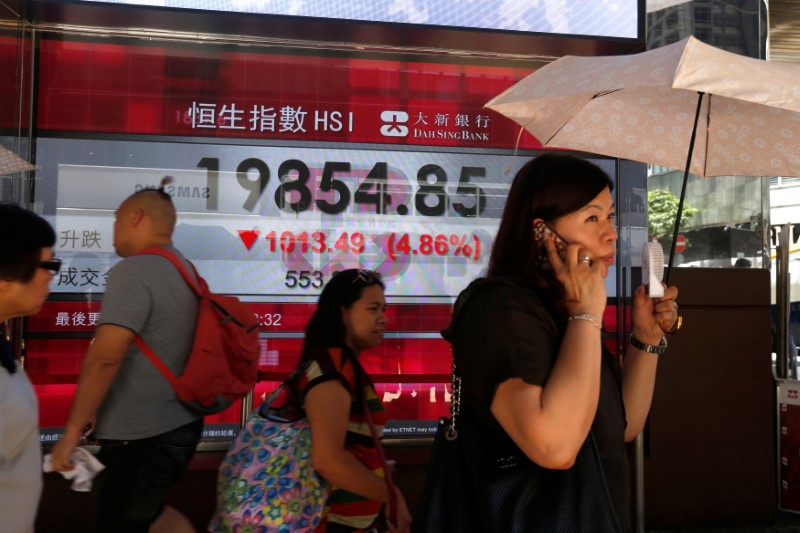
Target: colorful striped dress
(344, 507)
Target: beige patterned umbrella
(688, 103)
(10, 163)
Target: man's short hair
(166, 180)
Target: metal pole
(247, 407)
(639, 486)
(624, 296)
(625, 281)
(782, 302)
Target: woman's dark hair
(326, 328)
(23, 234)
(547, 187)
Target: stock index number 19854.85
(387, 193)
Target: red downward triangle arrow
(248, 237)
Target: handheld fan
(653, 268)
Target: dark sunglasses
(367, 276)
(53, 266)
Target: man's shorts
(138, 474)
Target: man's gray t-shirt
(147, 295)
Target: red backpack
(223, 364)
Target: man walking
(147, 437)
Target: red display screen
(107, 88)
(287, 169)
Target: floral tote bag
(266, 482)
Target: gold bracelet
(588, 318)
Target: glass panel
(724, 219)
(287, 168)
(727, 218)
(14, 56)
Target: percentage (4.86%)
(442, 245)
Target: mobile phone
(561, 245)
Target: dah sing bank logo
(439, 126)
(394, 123)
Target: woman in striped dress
(335, 389)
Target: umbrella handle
(683, 189)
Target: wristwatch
(649, 348)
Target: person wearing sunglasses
(350, 318)
(27, 266)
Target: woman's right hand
(583, 281)
(403, 524)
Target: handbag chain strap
(455, 405)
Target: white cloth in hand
(86, 467)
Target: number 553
(303, 279)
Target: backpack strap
(175, 260)
(196, 287)
(157, 362)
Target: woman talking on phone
(535, 375)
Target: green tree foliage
(662, 212)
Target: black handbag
(477, 484)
